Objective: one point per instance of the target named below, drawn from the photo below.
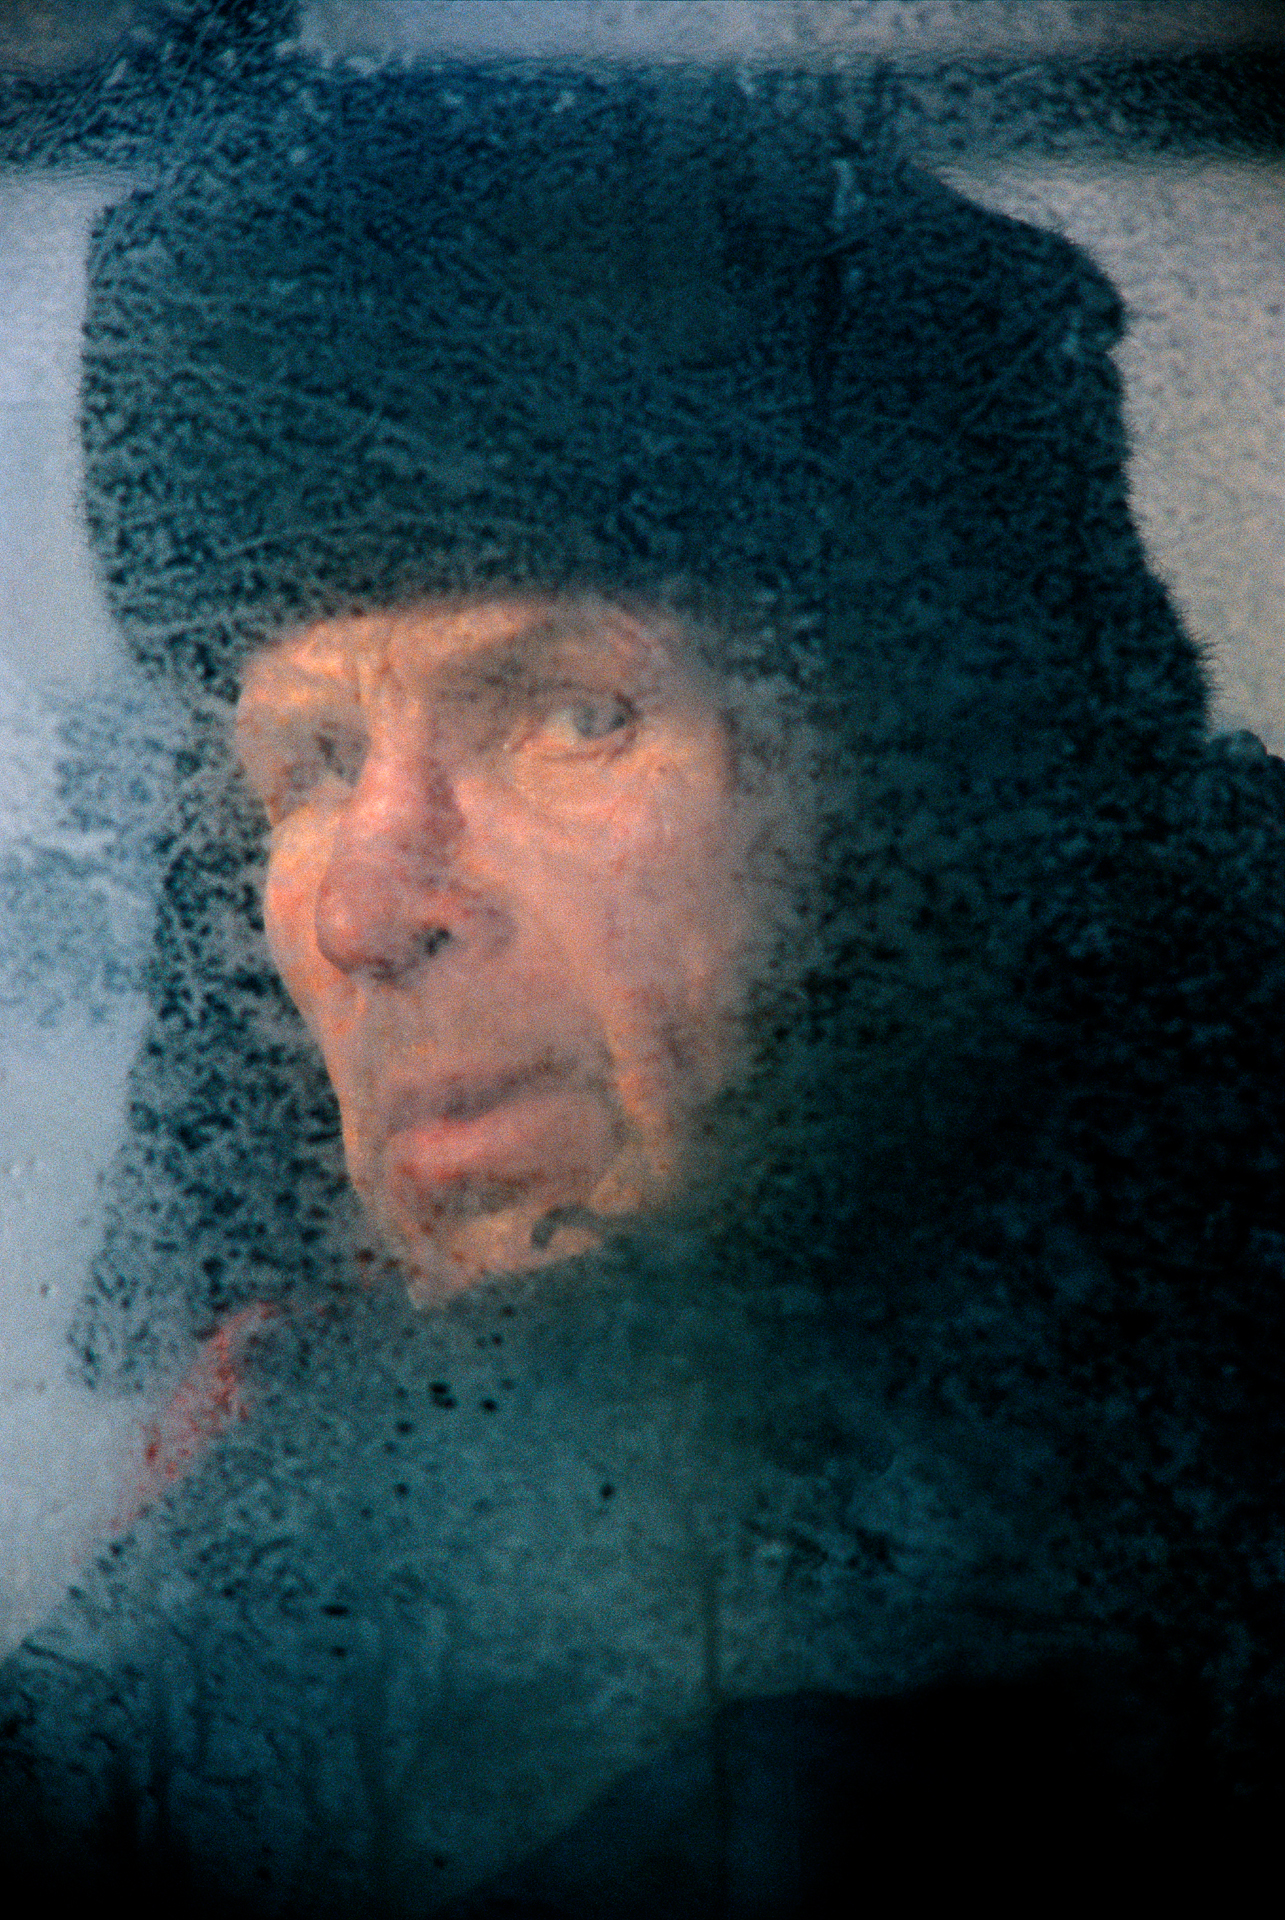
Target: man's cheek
(283, 924)
(289, 922)
(637, 927)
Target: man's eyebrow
(512, 662)
(509, 663)
(272, 680)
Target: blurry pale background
(62, 1069)
(1197, 247)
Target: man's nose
(394, 892)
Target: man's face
(507, 889)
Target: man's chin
(451, 1234)
(477, 1237)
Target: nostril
(422, 946)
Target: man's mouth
(466, 1143)
(456, 1098)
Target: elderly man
(510, 891)
(742, 842)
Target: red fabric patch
(208, 1400)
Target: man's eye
(320, 755)
(582, 720)
(339, 753)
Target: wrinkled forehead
(450, 645)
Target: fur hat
(659, 338)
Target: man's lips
(539, 1128)
(455, 1098)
